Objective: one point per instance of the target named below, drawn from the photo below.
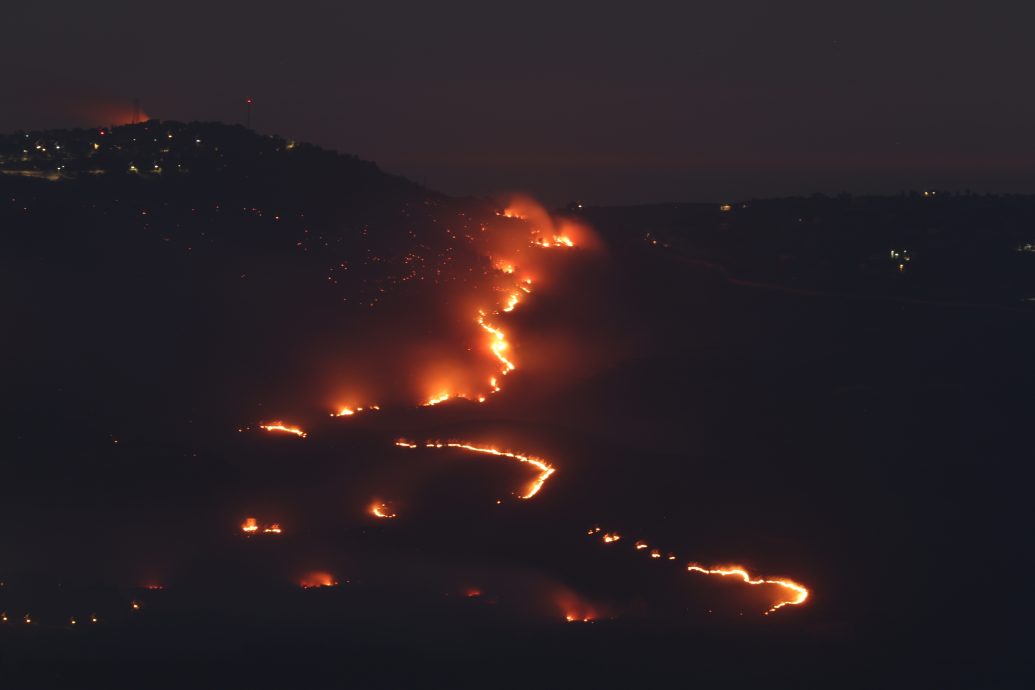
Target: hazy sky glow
(631, 103)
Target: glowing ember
(545, 470)
(280, 426)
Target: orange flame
(251, 526)
(545, 470)
(280, 426)
(381, 510)
(347, 411)
(435, 400)
(799, 593)
(498, 345)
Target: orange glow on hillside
(317, 578)
(574, 609)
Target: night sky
(635, 102)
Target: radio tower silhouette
(248, 112)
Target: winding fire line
(545, 469)
(798, 592)
(280, 426)
(801, 593)
(498, 343)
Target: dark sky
(606, 103)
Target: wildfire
(381, 510)
(499, 343)
(280, 426)
(545, 469)
(798, 593)
(555, 241)
(251, 526)
(544, 232)
(435, 400)
(512, 302)
(350, 411)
